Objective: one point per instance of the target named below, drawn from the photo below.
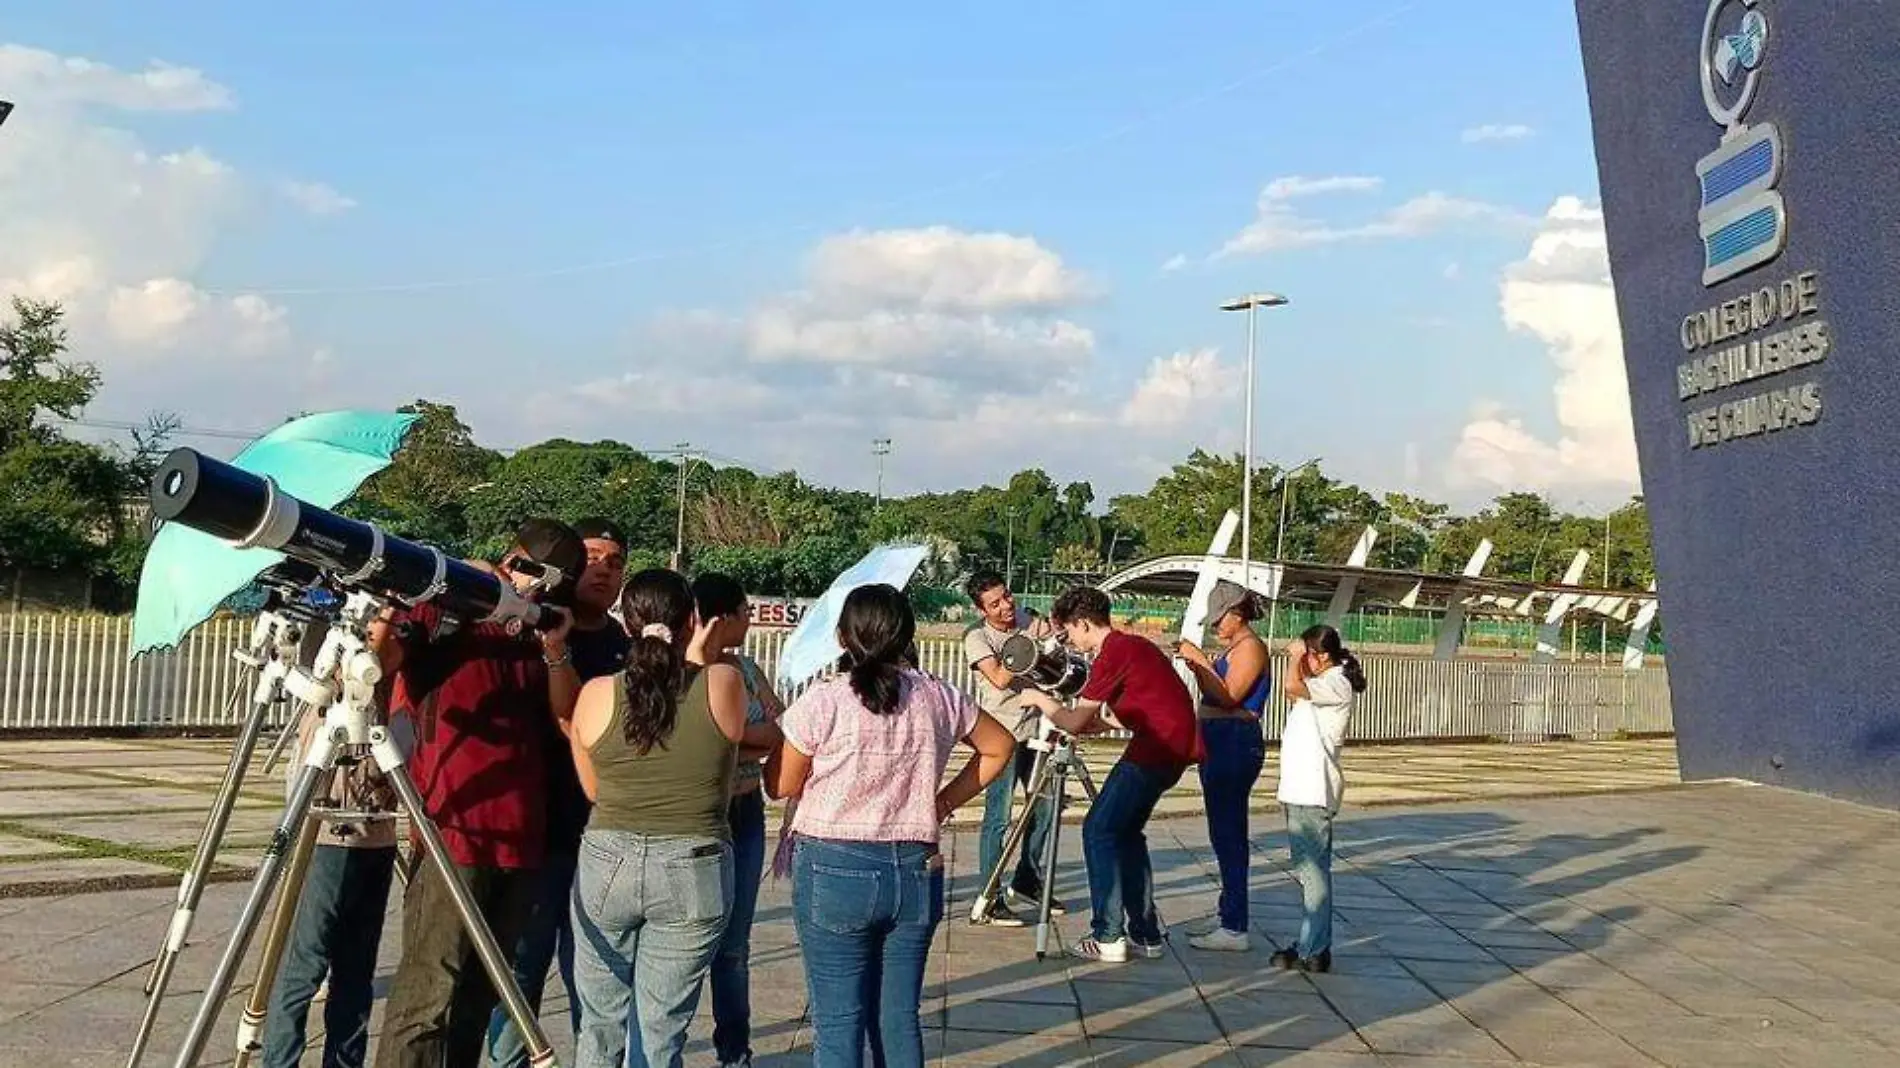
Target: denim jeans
(996, 805)
(731, 968)
(865, 913)
(648, 914)
(1121, 877)
(338, 929)
(1309, 832)
(546, 938)
(1236, 751)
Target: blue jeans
(1309, 832)
(1236, 751)
(731, 968)
(1121, 877)
(996, 805)
(338, 929)
(546, 938)
(865, 913)
(648, 914)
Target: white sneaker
(1221, 940)
(1115, 952)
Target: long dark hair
(876, 627)
(717, 594)
(1321, 638)
(656, 664)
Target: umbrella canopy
(319, 459)
(814, 646)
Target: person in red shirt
(1134, 680)
(477, 699)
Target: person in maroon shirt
(477, 699)
(1134, 680)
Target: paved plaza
(1705, 925)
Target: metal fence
(70, 672)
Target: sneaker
(1154, 950)
(1033, 902)
(1115, 952)
(998, 915)
(1221, 940)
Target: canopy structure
(1457, 597)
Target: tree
(59, 499)
(424, 493)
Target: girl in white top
(1323, 680)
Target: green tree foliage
(424, 494)
(59, 498)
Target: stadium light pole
(880, 448)
(1251, 304)
(1279, 548)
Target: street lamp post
(1009, 550)
(679, 533)
(880, 448)
(1250, 304)
(1279, 546)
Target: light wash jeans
(865, 914)
(649, 911)
(1309, 833)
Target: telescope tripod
(268, 661)
(1056, 760)
(343, 682)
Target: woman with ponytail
(655, 747)
(1323, 679)
(864, 754)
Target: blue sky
(637, 197)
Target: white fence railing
(70, 672)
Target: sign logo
(1743, 221)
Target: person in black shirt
(598, 645)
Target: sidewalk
(80, 815)
(1684, 928)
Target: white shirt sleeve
(1329, 689)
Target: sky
(996, 234)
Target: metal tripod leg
(191, 888)
(315, 771)
(390, 759)
(1017, 831)
(250, 1035)
(213, 830)
(1049, 856)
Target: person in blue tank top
(1234, 689)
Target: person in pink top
(864, 753)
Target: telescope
(249, 511)
(1048, 665)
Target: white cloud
(116, 229)
(1561, 294)
(316, 198)
(35, 79)
(1278, 225)
(940, 269)
(1175, 262)
(1496, 132)
(1178, 388)
(955, 345)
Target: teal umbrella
(319, 459)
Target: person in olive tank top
(655, 748)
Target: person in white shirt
(1322, 680)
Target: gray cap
(1226, 597)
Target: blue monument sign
(1748, 153)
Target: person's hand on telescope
(554, 639)
(1040, 627)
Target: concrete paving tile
(12, 845)
(161, 830)
(18, 778)
(1285, 1021)
(21, 873)
(1118, 1053)
(1267, 1057)
(16, 804)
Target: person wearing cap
(1234, 688)
(597, 645)
(479, 697)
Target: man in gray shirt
(1000, 694)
